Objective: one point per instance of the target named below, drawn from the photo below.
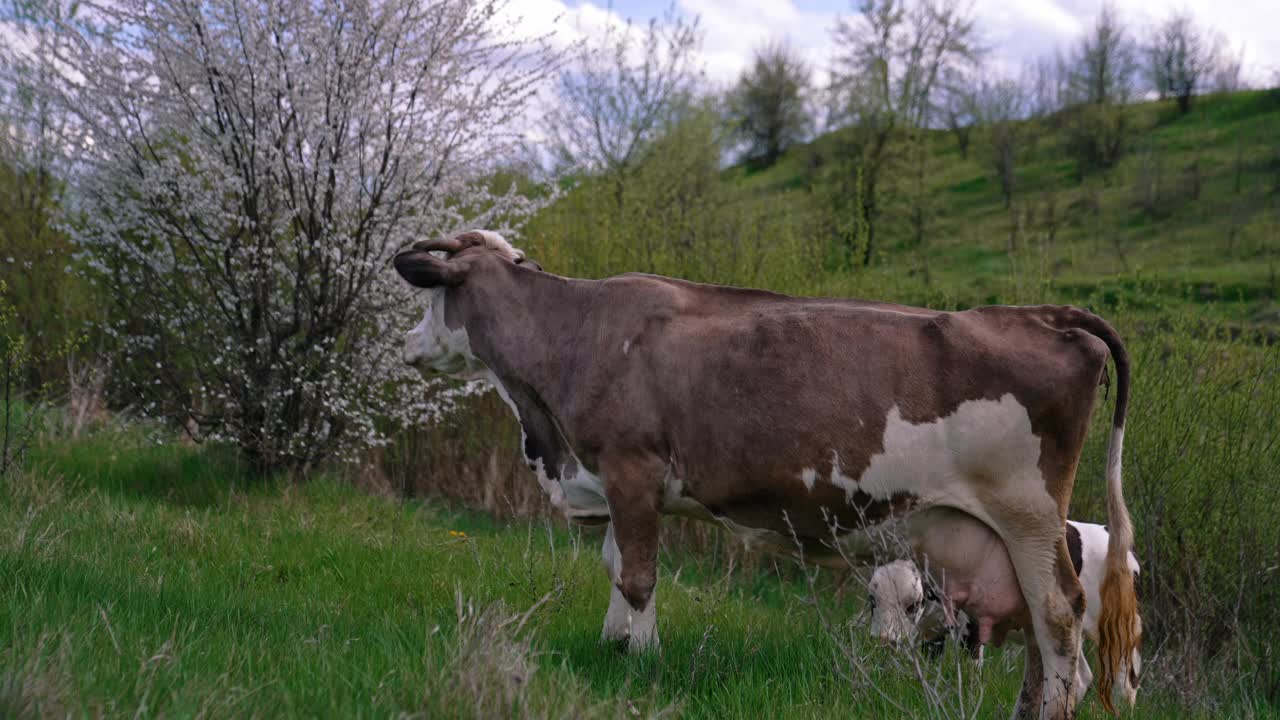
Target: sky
(1016, 31)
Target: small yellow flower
(457, 534)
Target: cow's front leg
(633, 488)
(617, 622)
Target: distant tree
(886, 79)
(1226, 75)
(1181, 58)
(619, 93)
(1048, 82)
(1105, 62)
(1103, 68)
(1001, 108)
(958, 111)
(916, 191)
(769, 104)
(246, 170)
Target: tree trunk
(871, 237)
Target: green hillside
(1189, 214)
(1143, 222)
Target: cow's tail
(1119, 626)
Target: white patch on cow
(985, 451)
(809, 477)
(553, 489)
(583, 492)
(626, 346)
(506, 398)
(432, 345)
(944, 462)
(617, 620)
(578, 492)
(1093, 556)
(839, 479)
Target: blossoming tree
(245, 170)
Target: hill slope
(1193, 207)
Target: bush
(678, 217)
(1096, 136)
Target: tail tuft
(1119, 625)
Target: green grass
(156, 580)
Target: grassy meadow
(158, 580)
(141, 576)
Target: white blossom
(246, 169)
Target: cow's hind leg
(633, 488)
(1055, 600)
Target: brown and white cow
(793, 418)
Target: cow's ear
(427, 271)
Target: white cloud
(1015, 32)
(733, 29)
(556, 20)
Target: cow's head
(439, 344)
(897, 601)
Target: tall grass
(200, 590)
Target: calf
(970, 565)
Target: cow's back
(766, 402)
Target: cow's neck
(525, 330)
(525, 327)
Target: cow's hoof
(641, 645)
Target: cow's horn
(457, 243)
(449, 245)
